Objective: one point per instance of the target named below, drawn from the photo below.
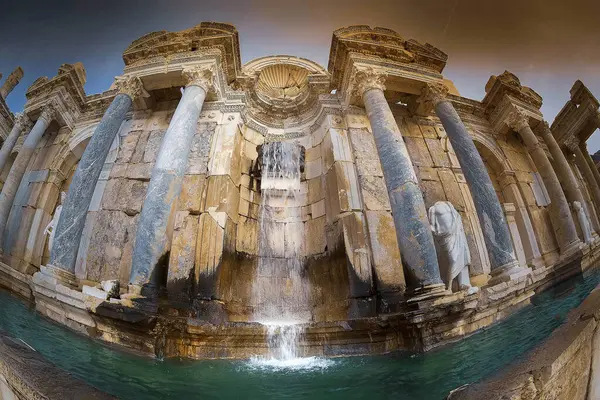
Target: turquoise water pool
(398, 376)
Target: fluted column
(560, 213)
(413, 231)
(22, 124)
(72, 218)
(504, 264)
(152, 242)
(564, 172)
(13, 180)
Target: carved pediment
(206, 35)
(381, 43)
(508, 85)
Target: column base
(428, 292)
(134, 298)
(61, 276)
(571, 249)
(537, 263)
(508, 272)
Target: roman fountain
(290, 216)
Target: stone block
(313, 168)
(84, 244)
(342, 189)
(374, 193)
(253, 136)
(315, 190)
(386, 255)
(222, 196)
(451, 189)
(247, 236)
(48, 197)
(153, 146)
(250, 151)
(335, 147)
(428, 131)
(225, 152)
(410, 129)
(140, 148)
(417, 149)
(191, 194)
(438, 154)
(432, 192)
(36, 241)
(357, 253)
(370, 167)
(181, 274)
(118, 171)
(318, 209)
(315, 236)
(142, 171)
(312, 153)
(427, 173)
(130, 199)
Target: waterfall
(280, 289)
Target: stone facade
(163, 191)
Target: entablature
(579, 117)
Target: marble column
(152, 241)
(72, 218)
(560, 213)
(13, 180)
(413, 232)
(591, 163)
(564, 172)
(586, 170)
(504, 265)
(22, 124)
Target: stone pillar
(72, 218)
(13, 180)
(413, 231)
(504, 265)
(510, 211)
(564, 172)
(12, 81)
(588, 158)
(152, 241)
(560, 213)
(573, 145)
(22, 124)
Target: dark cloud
(548, 44)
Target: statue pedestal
(509, 272)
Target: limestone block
(386, 256)
(524, 176)
(48, 197)
(315, 236)
(315, 190)
(418, 151)
(543, 229)
(357, 253)
(131, 196)
(427, 174)
(95, 292)
(527, 194)
(312, 153)
(318, 209)
(410, 129)
(363, 144)
(357, 121)
(374, 193)
(249, 150)
(142, 171)
(428, 131)
(35, 242)
(335, 147)
(111, 193)
(140, 148)
(313, 168)
(84, 244)
(16, 239)
(294, 239)
(222, 196)
(253, 136)
(247, 236)
(370, 167)
(432, 192)
(209, 248)
(244, 207)
(181, 273)
(225, 152)
(318, 135)
(437, 151)
(191, 194)
(35, 190)
(118, 171)
(153, 145)
(451, 189)
(127, 252)
(342, 189)
(441, 132)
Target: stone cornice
(579, 116)
(507, 85)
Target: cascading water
(280, 289)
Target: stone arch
(504, 181)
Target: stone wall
(566, 366)
(26, 375)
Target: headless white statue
(448, 230)
(584, 222)
(51, 227)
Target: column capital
(202, 77)
(517, 120)
(367, 79)
(433, 93)
(571, 143)
(48, 113)
(544, 129)
(23, 122)
(131, 86)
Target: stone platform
(416, 326)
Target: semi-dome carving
(282, 83)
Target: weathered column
(13, 180)
(504, 264)
(72, 218)
(152, 242)
(586, 170)
(22, 124)
(564, 172)
(588, 158)
(560, 213)
(413, 231)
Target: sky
(548, 44)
